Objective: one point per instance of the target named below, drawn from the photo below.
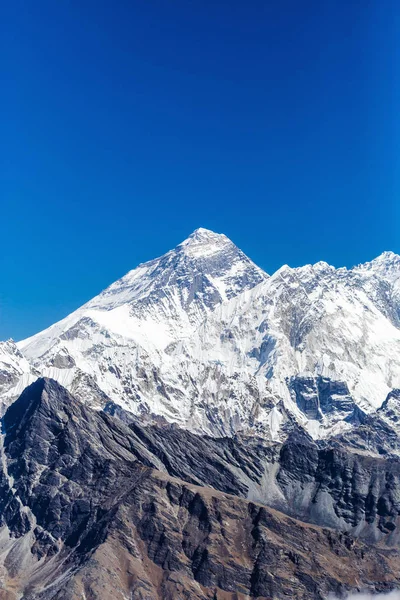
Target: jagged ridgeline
(204, 430)
(99, 506)
(204, 338)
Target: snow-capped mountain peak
(205, 269)
(386, 265)
(203, 337)
(204, 236)
(204, 242)
(137, 325)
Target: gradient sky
(128, 124)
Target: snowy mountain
(204, 338)
(314, 321)
(126, 344)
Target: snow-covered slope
(314, 320)
(15, 373)
(204, 338)
(166, 297)
(127, 342)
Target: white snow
(202, 337)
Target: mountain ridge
(202, 337)
(95, 507)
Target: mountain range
(204, 338)
(204, 430)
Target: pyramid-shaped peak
(202, 271)
(202, 235)
(204, 242)
(42, 392)
(202, 232)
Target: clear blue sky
(128, 124)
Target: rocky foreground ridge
(95, 505)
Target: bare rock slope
(96, 507)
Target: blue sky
(128, 124)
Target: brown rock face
(171, 540)
(89, 510)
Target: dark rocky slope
(347, 483)
(93, 507)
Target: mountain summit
(204, 270)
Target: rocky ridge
(99, 506)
